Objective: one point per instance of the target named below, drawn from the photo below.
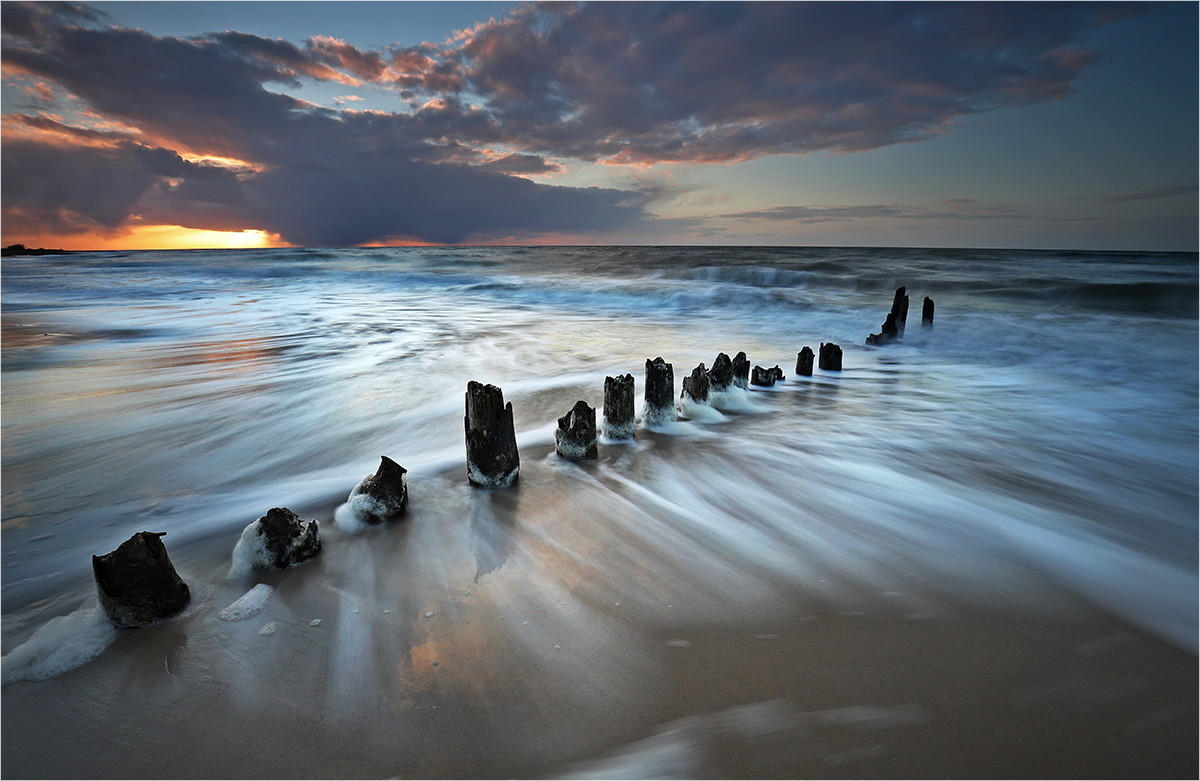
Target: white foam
(653, 417)
(251, 549)
(678, 428)
(735, 399)
(62, 644)
(352, 515)
(249, 604)
(348, 519)
(572, 451)
(690, 409)
(251, 555)
(479, 478)
(616, 433)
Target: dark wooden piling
(618, 421)
(766, 377)
(287, 540)
(927, 311)
(387, 491)
(492, 458)
(741, 370)
(660, 392)
(899, 312)
(696, 385)
(804, 361)
(720, 376)
(137, 584)
(575, 437)
(829, 357)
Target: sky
(138, 125)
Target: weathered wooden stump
(575, 437)
(660, 392)
(137, 584)
(492, 458)
(696, 385)
(618, 421)
(829, 357)
(899, 313)
(766, 377)
(927, 311)
(741, 370)
(887, 332)
(382, 495)
(278, 540)
(720, 376)
(804, 361)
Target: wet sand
(543, 631)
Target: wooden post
(741, 370)
(766, 377)
(830, 357)
(696, 385)
(492, 458)
(899, 311)
(720, 376)
(575, 437)
(804, 361)
(660, 392)
(618, 421)
(927, 312)
(137, 584)
(382, 495)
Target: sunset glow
(142, 237)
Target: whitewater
(1033, 453)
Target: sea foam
(249, 604)
(700, 412)
(61, 644)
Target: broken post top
(137, 584)
(829, 357)
(578, 416)
(741, 370)
(389, 469)
(660, 383)
(720, 376)
(804, 361)
(492, 457)
(696, 384)
(619, 416)
(485, 405)
(575, 437)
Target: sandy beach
(521, 633)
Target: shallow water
(1042, 434)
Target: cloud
(636, 83)
(650, 82)
(960, 208)
(1156, 192)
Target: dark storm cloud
(73, 189)
(636, 82)
(715, 81)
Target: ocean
(1032, 454)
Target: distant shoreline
(21, 249)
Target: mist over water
(1045, 427)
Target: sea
(1042, 428)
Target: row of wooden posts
(492, 457)
(138, 585)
